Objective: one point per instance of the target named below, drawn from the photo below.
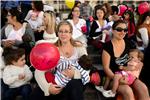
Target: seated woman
(79, 25)
(12, 33)
(69, 50)
(15, 33)
(99, 32)
(115, 53)
(49, 28)
(127, 74)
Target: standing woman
(115, 53)
(69, 50)
(78, 24)
(49, 27)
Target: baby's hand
(21, 76)
(124, 80)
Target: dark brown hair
(99, 7)
(16, 13)
(38, 5)
(12, 54)
(85, 62)
(116, 23)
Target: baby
(83, 65)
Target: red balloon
(44, 56)
(95, 78)
(143, 7)
(122, 9)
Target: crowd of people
(121, 39)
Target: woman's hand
(69, 72)
(8, 43)
(55, 89)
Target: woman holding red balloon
(69, 50)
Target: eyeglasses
(119, 29)
(76, 11)
(64, 32)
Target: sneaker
(109, 93)
(100, 88)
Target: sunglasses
(119, 29)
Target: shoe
(100, 88)
(109, 93)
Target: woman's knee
(126, 92)
(140, 88)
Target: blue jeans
(4, 88)
(24, 91)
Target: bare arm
(106, 64)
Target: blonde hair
(140, 54)
(51, 20)
(72, 41)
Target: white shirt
(15, 34)
(11, 75)
(48, 38)
(77, 32)
(144, 35)
(35, 23)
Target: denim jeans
(24, 91)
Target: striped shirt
(63, 64)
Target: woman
(115, 53)
(49, 27)
(143, 29)
(12, 33)
(129, 17)
(78, 24)
(99, 27)
(70, 50)
(17, 33)
(35, 18)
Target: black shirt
(115, 62)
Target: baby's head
(85, 62)
(136, 56)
